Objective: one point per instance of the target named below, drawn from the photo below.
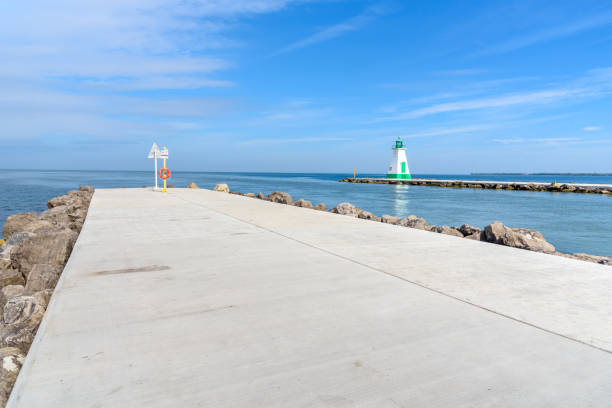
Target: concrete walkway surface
(202, 299)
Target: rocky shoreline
(32, 257)
(491, 185)
(496, 232)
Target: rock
(280, 197)
(366, 215)
(58, 216)
(11, 360)
(467, 230)
(389, 219)
(320, 207)
(66, 216)
(303, 203)
(346, 209)
(250, 195)
(223, 188)
(44, 296)
(38, 225)
(9, 246)
(523, 238)
(477, 236)
(42, 277)
(261, 196)
(170, 186)
(20, 319)
(51, 248)
(89, 189)
(74, 198)
(193, 185)
(11, 277)
(17, 223)
(445, 229)
(8, 292)
(603, 260)
(413, 221)
(236, 193)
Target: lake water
(571, 222)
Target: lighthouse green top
(399, 144)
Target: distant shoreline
(541, 174)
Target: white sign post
(155, 154)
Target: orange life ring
(164, 173)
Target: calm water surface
(572, 222)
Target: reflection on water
(400, 200)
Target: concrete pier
(494, 185)
(199, 298)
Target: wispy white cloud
(595, 83)
(124, 40)
(462, 72)
(537, 97)
(591, 128)
(282, 140)
(67, 65)
(550, 140)
(336, 30)
(293, 112)
(549, 34)
(450, 131)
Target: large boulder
(11, 277)
(17, 223)
(280, 197)
(20, 319)
(445, 229)
(468, 230)
(8, 292)
(603, 260)
(412, 221)
(346, 209)
(223, 188)
(76, 198)
(523, 238)
(477, 236)
(39, 225)
(57, 216)
(303, 203)
(66, 216)
(88, 189)
(261, 196)
(42, 276)
(389, 219)
(320, 207)
(9, 246)
(193, 185)
(366, 215)
(11, 360)
(51, 248)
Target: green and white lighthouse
(398, 169)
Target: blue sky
(307, 86)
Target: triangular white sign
(154, 153)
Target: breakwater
(492, 185)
